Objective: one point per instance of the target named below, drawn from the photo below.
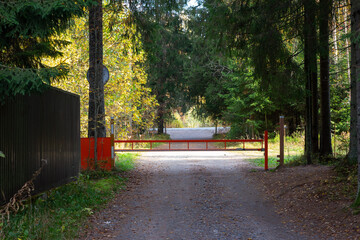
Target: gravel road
(194, 133)
(189, 195)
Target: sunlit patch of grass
(126, 161)
(272, 161)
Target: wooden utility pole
(282, 133)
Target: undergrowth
(61, 212)
(346, 173)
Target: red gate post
(266, 154)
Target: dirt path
(189, 195)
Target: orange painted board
(103, 153)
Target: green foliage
(60, 213)
(190, 119)
(127, 98)
(242, 71)
(2, 154)
(27, 30)
(14, 81)
(164, 40)
(160, 137)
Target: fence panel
(36, 127)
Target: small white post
(112, 141)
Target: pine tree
(166, 44)
(325, 133)
(310, 67)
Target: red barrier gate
(104, 157)
(264, 145)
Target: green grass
(293, 150)
(159, 137)
(126, 161)
(272, 161)
(64, 210)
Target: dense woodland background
(241, 63)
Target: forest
(238, 63)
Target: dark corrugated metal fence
(40, 126)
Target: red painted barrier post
(266, 154)
(103, 153)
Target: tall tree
(126, 94)
(161, 27)
(310, 67)
(353, 148)
(355, 62)
(96, 127)
(325, 133)
(268, 47)
(28, 33)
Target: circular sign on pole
(106, 75)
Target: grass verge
(293, 151)
(126, 161)
(295, 160)
(61, 212)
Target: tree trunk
(310, 67)
(325, 134)
(335, 39)
(216, 126)
(96, 115)
(314, 82)
(346, 27)
(355, 63)
(160, 118)
(353, 148)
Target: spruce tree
(166, 44)
(28, 33)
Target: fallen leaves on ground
(311, 199)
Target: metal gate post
(266, 154)
(112, 142)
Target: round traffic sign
(106, 75)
